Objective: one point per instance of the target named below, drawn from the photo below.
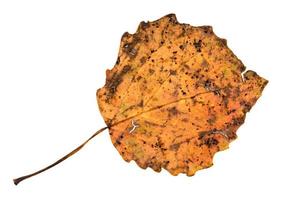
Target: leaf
(176, 96)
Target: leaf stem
(18, 180)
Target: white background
(53, 57)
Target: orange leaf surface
(176, 96)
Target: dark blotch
(210, 142)
(207, 29)
(117, 61)
(173, 111)
(246, 106)
(143, 60)
(129, 48)
(138, 78)
(197, 45)
(115, 80)
(173, 72)
(151, 71)
(143, 25)
(175, 147)
(141, 103)
(172, 18)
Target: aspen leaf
(176, 96)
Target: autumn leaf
(176, 96)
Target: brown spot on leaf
(173, 111)
(197, 45)
(114, 82)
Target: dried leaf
(176, 96)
